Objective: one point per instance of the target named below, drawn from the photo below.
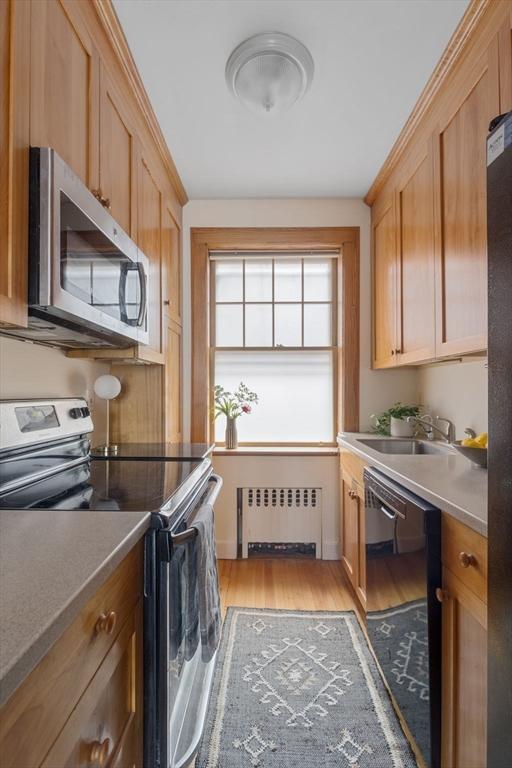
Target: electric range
(45, 462)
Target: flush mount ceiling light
(269, 72)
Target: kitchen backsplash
(457, 390)
(31, 370)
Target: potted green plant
(394, 421)
(232, 405)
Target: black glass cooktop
(158, 451)
(145, 486)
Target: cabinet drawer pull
(106, 622)
(98, 753)
(352, 494)
(466, 559)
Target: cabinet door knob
(398, 351)
(392, 351)
(99, 752)
(166, 302)
(439, 594)
(466, 559)
(106, 622)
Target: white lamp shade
(107, 387)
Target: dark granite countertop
(157, 451)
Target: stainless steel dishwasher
(403, 570)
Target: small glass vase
(231, 434)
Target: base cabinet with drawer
(82, 705)
(352, 520)
(464, 646)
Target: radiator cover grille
(284, 515)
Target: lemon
(481, 440)
(472, 442)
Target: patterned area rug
(297, 688)
(399, 637)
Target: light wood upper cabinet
(505, 55)
(64, 87)
(118, 169)
(436, 173)
(171, 265)
(384, 288)
(461, 199)
(149, 241)
(14, 140)
(415, 279)
(173, 372)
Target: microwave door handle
(143, 294)
(122, 293)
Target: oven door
(183, 680)
(89, 272)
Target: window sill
(277, 450)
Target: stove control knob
(85, 412)
(76, 413)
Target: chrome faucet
(428, 425)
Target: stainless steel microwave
(88, 281)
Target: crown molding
(112, 27)
(451, 55)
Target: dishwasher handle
(391, 514)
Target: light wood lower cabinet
(106, 726)
(83, 704)
(352, 520)
(464, 655)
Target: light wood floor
(297, 584)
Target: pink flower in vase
(246, 408)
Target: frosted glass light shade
(269, 72)
(107, 387)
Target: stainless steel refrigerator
(499, 222)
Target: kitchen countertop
(51, 562)
(447, 480)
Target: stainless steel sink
(406, 447)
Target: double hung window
(273, 327)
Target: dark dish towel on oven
(195, 605)
(207, 581)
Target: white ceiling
(372, 59)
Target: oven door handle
(190, 533)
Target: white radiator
(280, 516)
